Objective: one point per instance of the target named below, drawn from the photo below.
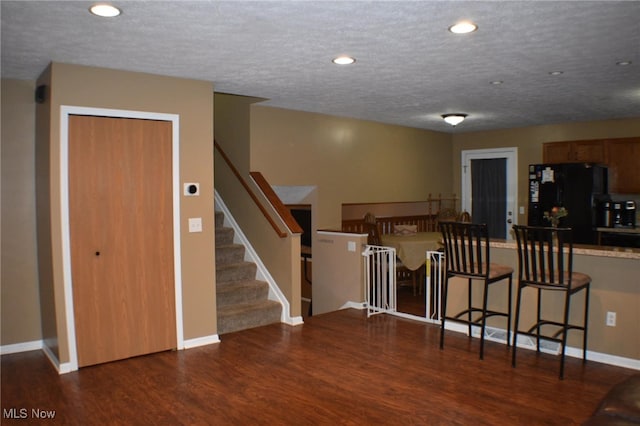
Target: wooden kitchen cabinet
(590, 151)
(621, 156)
(623, 160)
(556, 152)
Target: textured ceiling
(409, 69)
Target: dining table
(411, 248)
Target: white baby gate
(435, 277)
(380, 279)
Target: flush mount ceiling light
(623, 63)
(454, 119)
(556, 72)
(104, 10)
(343, 60)
(464, 27)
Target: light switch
(195, 224)
(351, 245)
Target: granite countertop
(587, 250)
(601, 251)
(619, 230)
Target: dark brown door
(121, 232)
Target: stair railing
(269, 194)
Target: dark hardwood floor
(337, 368)
(409, 303)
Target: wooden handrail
(246, 186)
(276, 202)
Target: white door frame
(511, 155)
(65, 112)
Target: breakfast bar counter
(615, 288)
(586, 250)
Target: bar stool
(466, 248)
(545, 262)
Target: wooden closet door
(121, 232)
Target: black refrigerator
(578, 187)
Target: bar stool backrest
(466, 247)
(545, 255)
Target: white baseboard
(21, 347)
(61, 368)
(525, 342)
(618, 361)
(201, 341)
(354, 305)
(294, 320)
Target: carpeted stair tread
(224, 236)
(248, 315)
(229, 253)
(237, 292)
(235, 271)
(219, 219)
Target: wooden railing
(271, 196)
(424, 223)
(276, 202)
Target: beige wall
(49, 323)
(20, 309)
(193, 102)
(335, 265)
(349, 161)
(529, 142)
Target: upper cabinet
(592, 151)
(622, 157)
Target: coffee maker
(616, 214)
(628, 214)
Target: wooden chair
(447, 215)
(372, 229)
(466, 248)
(464, 216)
(545, 263)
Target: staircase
(242, 301)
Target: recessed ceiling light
(623, 63)
(496, 82)
(464, 27)
(104, 10)
(556, 72)
(343, 60)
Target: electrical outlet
(611, 319)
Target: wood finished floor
(337, 368)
